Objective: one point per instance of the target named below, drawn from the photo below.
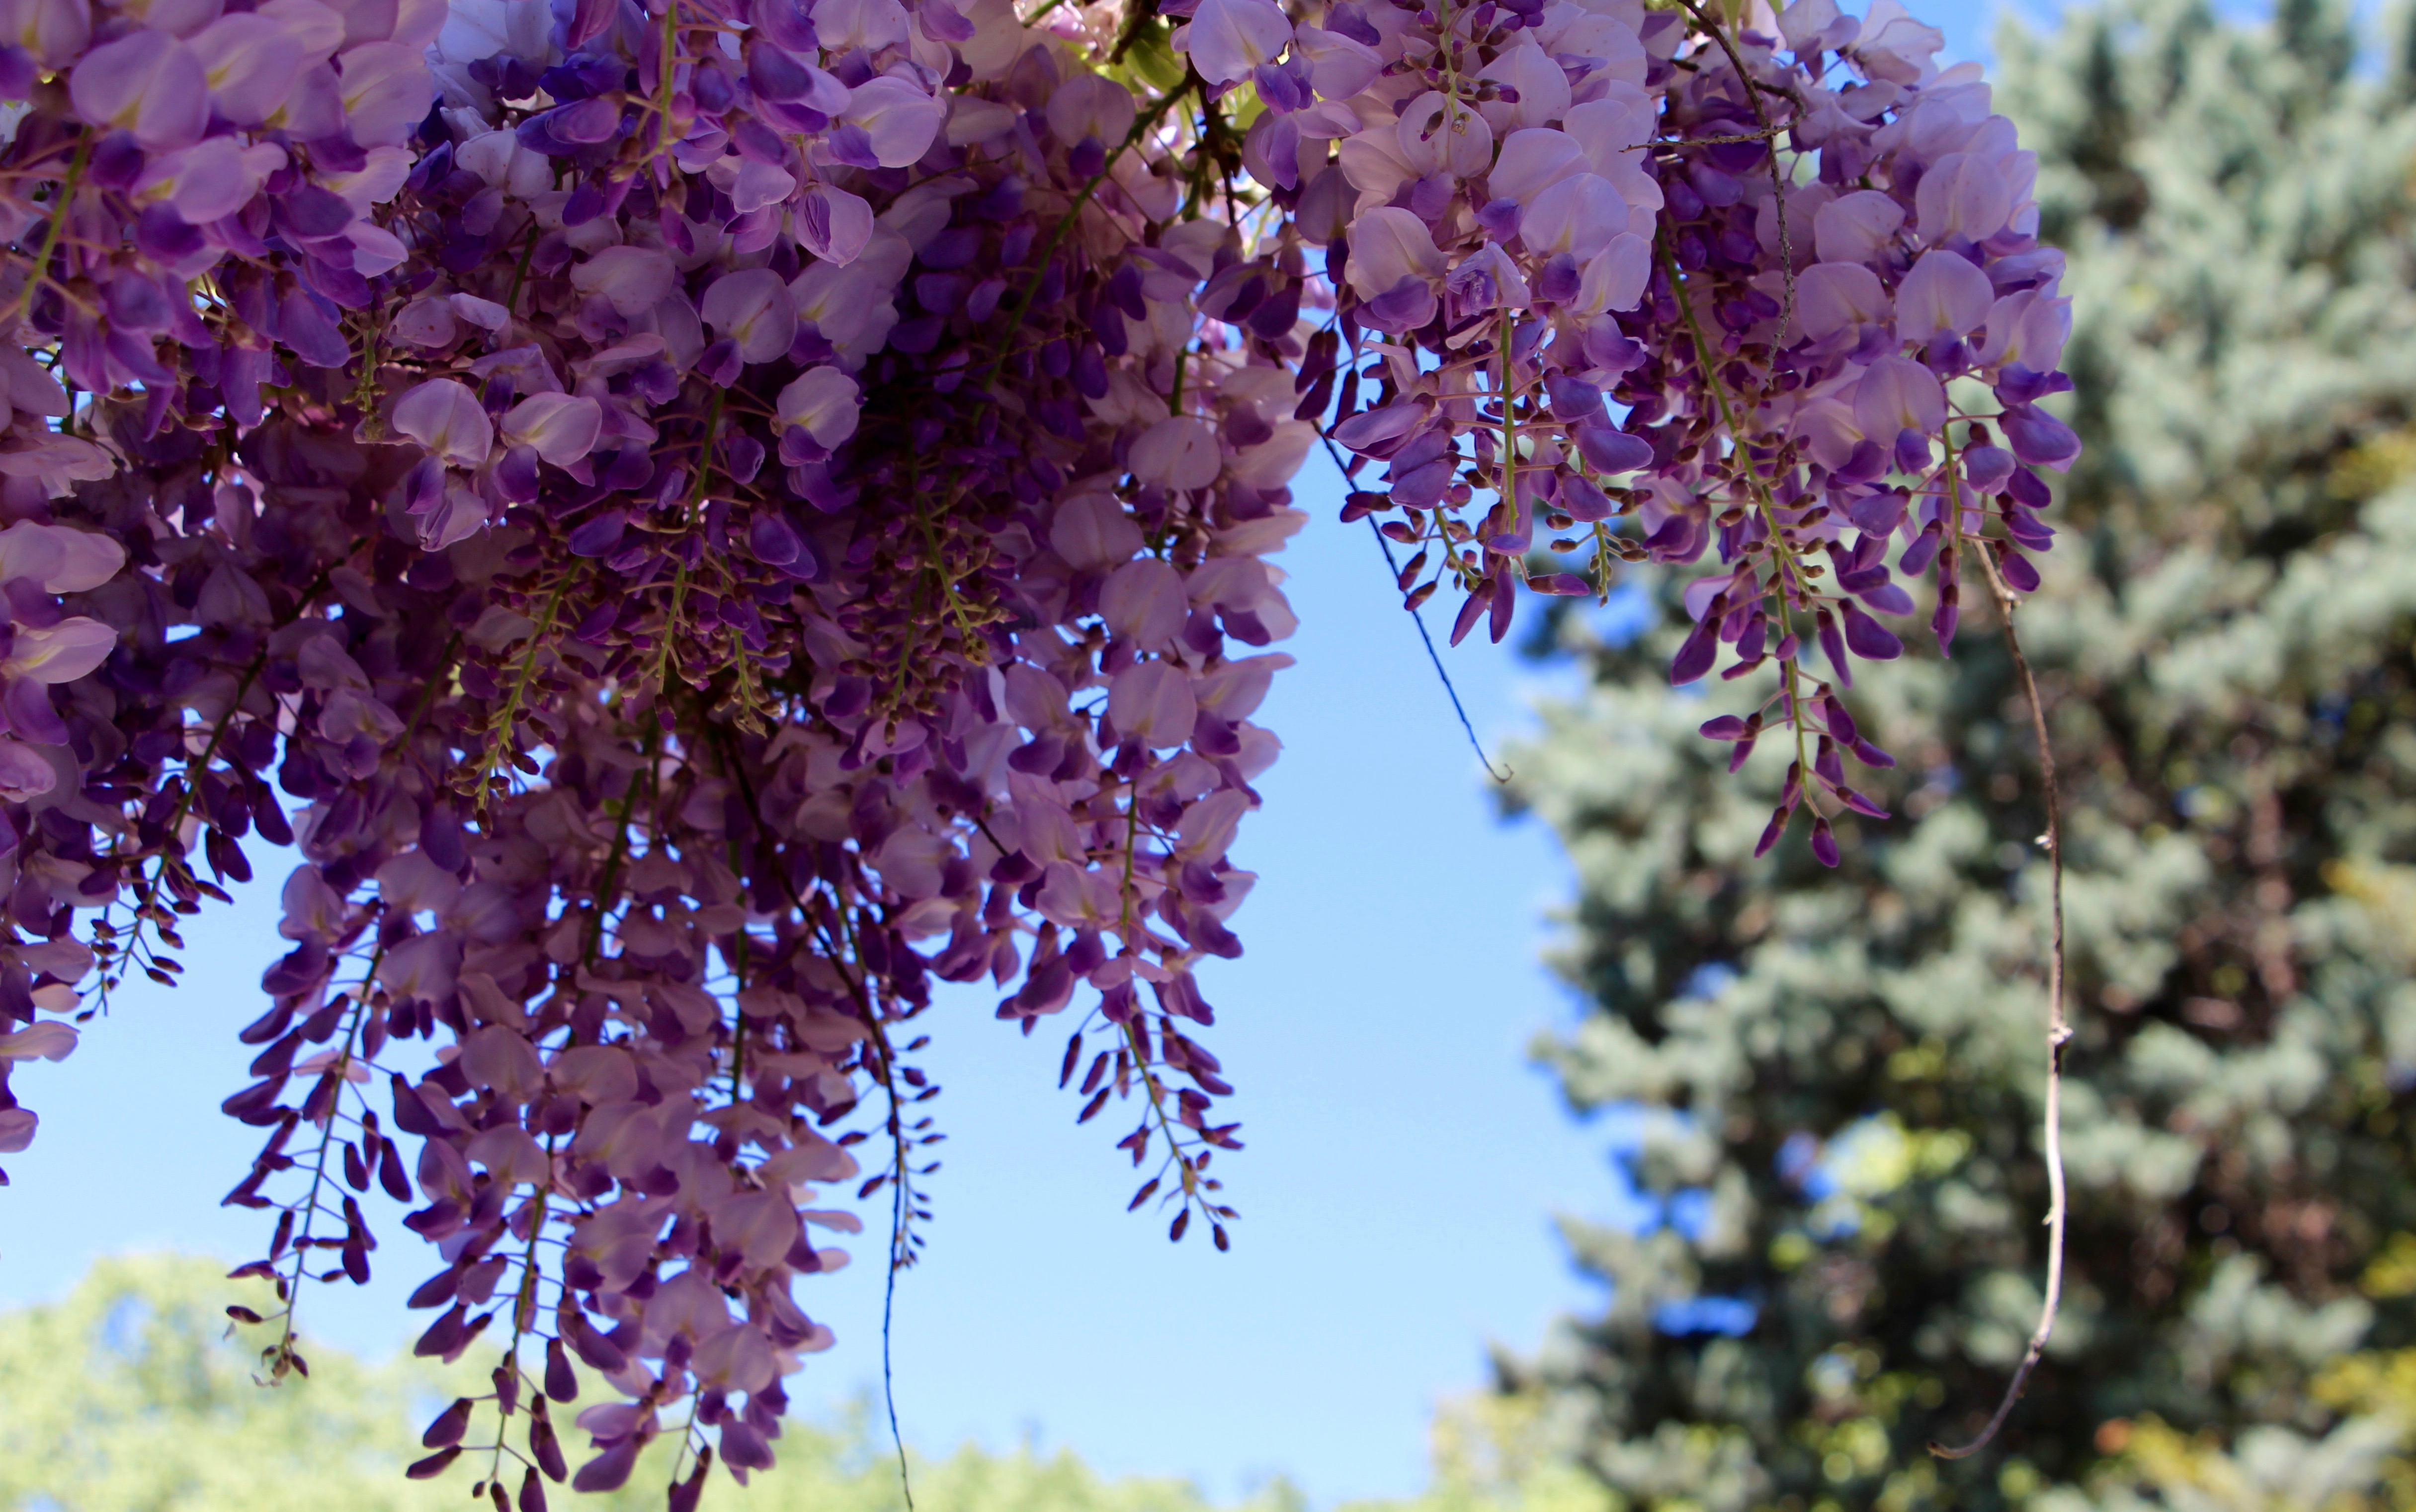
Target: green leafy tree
(1839, 1074)
(135, 1395)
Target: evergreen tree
(1840, 1073)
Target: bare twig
(1764, 133)
(1754, 89)
(2058, 1030)
(1432, 655)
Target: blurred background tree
(1836, 1076)
(134, 1394)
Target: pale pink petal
(250, 63)
(312, 908)
(416, 23)
(738, 1358)
(901, 120)
(387, 91)
(1229, 37)
(752, 307)
(1093, 532)
(43, 1042)
(317, 28)
(1895, 395)
(1943, 294)
(29, 385)
(1611, 129)
(447, 419)
(1616, 277)
(457, 516)
(562, 427)
(205, 182)
(824, 400)
(843, 25)
(1542, 86)
(1144, 602)
(1235, 690)
(1371, 162)
(55, 31)
(1152, 702)
(427, 322)
(28, 550)
(1894, 47)
(1533, 159)
(1577, 215)
(424, 966)
(1963, 194)
(62, 654)
(833, 224)
(509, 1153)
(760, 1225)
(86, 558)
(1440, 137)
(177, 18)
(1836, 296)
(1270, 463)
(1339, 67)
(1857, 227)
(1489, 274)
(24, 775)
(1815, 26)
(375, 250)
(483, 313)
(841, 303)
(633, 279)
(760, 184)
(315, 109)
(1093, 106)
(1387, 245)
(409, 883)
(1179, 452)
(597, 1074)
(1208, 827)
(146, 82)
(2028, 328)
(327, 1060)
(495, 1057)
(378, 179)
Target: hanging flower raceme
(1814, 294)
(699, 521)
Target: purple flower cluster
(1773, 255)
(702, 520)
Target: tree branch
(2059, 1031)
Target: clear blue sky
(1403, 1156)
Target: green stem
(58, 225)
(1057, 235)
(1509, 429)
(671, 59)
(1789, 567)
(284, 1349)
(499, 742)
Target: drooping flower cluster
(1774, 254)
(698, 520)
